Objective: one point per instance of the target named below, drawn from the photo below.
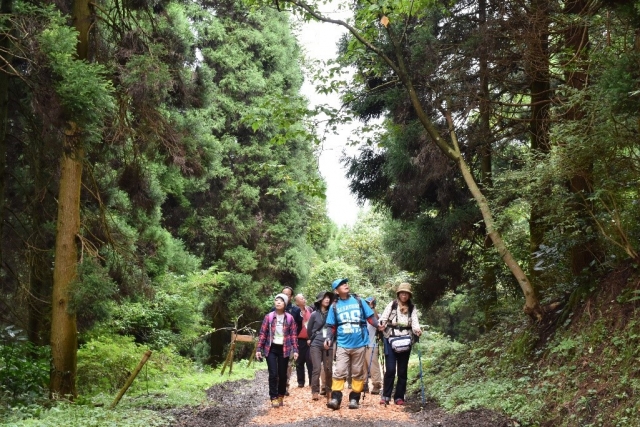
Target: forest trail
(246, 403)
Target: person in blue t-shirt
(347, 324)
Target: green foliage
(562, 380)
(172, 316)
(82, 87)
(24, 368)
(74, 415)
(106, 363)
(91, 293)
(324, 273)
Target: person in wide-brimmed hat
(399, 321)
(321, 359)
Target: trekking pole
(421, 380)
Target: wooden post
(253, 353)
(134, 374)
(227, 361)
(238, 338)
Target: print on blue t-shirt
(350, 332)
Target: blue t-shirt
(351, 332)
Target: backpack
(288, 318)
(363, 320)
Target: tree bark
(577, 41)
(64, 341)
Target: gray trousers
(322, 362)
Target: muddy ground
(245, 403)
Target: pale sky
(319, 41)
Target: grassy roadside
(584, 372)
(168, 382)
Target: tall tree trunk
(577, 41)
(6, 8)
(538, 70)
(64, 341)
(489, 291)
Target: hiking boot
(281, 400)
(336, 399)
(333, 404)
(384, 400)
(323, 392)
(354, 400)
(275, 402)
(399, 402)
(300, 385)
(315, 396)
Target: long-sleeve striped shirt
(268, 331)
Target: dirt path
(245, 403)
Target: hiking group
(337, 343)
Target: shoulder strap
(287, 317)
(363, 319)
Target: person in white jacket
(399, 323)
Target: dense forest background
(159, 181)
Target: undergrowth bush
(105, 363)
(24, 369)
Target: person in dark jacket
(302, 317)
(321, 359)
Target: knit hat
(338, 282)
(283, 297)
(321, 296)
(404, 287)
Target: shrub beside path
(246, 403)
